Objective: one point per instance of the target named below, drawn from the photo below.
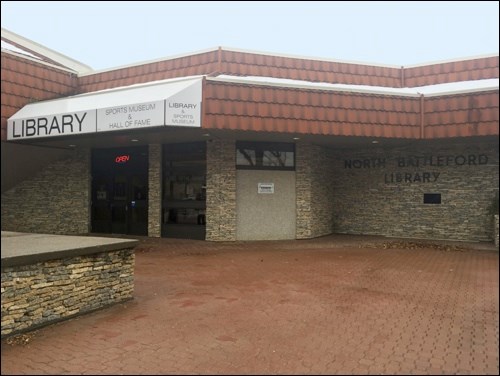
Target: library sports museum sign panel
(169, 102)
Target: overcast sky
(110, 34)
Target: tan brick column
(314, 182)
(154, 192)
(221, 190)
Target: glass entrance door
(137, 210)
(184, 190)
(119, 205)
(119, 191)
(101, 204)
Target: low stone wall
(44, 292)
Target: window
(265, 156)
(432, 198)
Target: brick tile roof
(467, 70)
(204, 63)
(274, 109)
(465, 115)
(286, 109)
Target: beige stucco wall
(265, 216)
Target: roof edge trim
(38, 61)
(291, 56)
(458, 92)
(451, 60)
(400, 92)
(47, 52)
(310, 87)
(315, 58)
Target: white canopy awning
(173, 102)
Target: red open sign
(122, 159)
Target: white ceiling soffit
(65, 61)
(10, 47)
(174, 102)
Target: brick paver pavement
(335, 305)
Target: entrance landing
(334, 305)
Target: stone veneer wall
(45, 292)
(221, 191)
(372, 198)
(154, 191)
(314, 191)
(495, 230)
(54, 201)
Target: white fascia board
(297, 84)
(427, 91)
(460, 87)
(457, 92)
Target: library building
(227, 145)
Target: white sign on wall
(265, 188)
(131, 116)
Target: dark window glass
(184, 183)
(265, 156)
(432, 198)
